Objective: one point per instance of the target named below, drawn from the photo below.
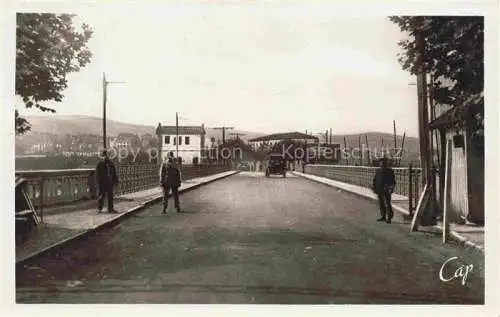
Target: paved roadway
(251, 239)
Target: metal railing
(48, 188)
(408, 179)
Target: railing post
(410, 189)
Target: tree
(454, 49)
(48, 48)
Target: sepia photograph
(249, 153)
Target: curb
(120, 217)
(455, 236)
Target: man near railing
(383, 185)
(107, 179)
(170, 179)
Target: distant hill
(73, 125)
(375, 140)
(62, 125)
(379, 140)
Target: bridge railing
(48, 188)
(53, 187)
(408, 179)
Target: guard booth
(25, 214)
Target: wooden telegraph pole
(360, 150)
(104, 100)
(395, 137)
(402, 149)
(345, 151)
(177, 135)
(237, 134)
(105, 84)
(224, 128)
(369, 163)
(423, 118)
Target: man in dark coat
(170, 179)
(107, 179)
(383, 185)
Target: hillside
(375, 140)
(73, 125)
(62, 125)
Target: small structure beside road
(189, 141)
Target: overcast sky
(257, 69)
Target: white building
(186, 142)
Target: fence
(54, 187)
(408, 179)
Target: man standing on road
(107, 179)
(383, 185)
(170, 179)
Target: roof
(457, 114)
(127, 135)
(285, 136)
(172, 130)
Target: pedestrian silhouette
(383, 185)
(107, 179)
(170, 180)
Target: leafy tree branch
(454, 54)
(48, 48)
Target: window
(167, 139)
(174, 141)
(180, 140)
(186, 140)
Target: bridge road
(251, 239)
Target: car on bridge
(275, 164)
(244, 166)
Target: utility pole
(331, 142)
(423, 118)
(368, 149)
(402, 149)
(224, 128)
(395, 137)
(345, 151)
(104, 100)
(360, 150)
(105, 84)
(177, 135)
(423, 115)
(237, 134)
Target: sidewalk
(468, 234)
(58, 228)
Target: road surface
(252, 239)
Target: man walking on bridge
(170, 179)
(107, 179)
(383, 185)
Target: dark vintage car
(275, 164)
(244, 166)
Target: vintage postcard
(248, 152)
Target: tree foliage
(454, 50)
(48, 48)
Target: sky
(252, 67)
